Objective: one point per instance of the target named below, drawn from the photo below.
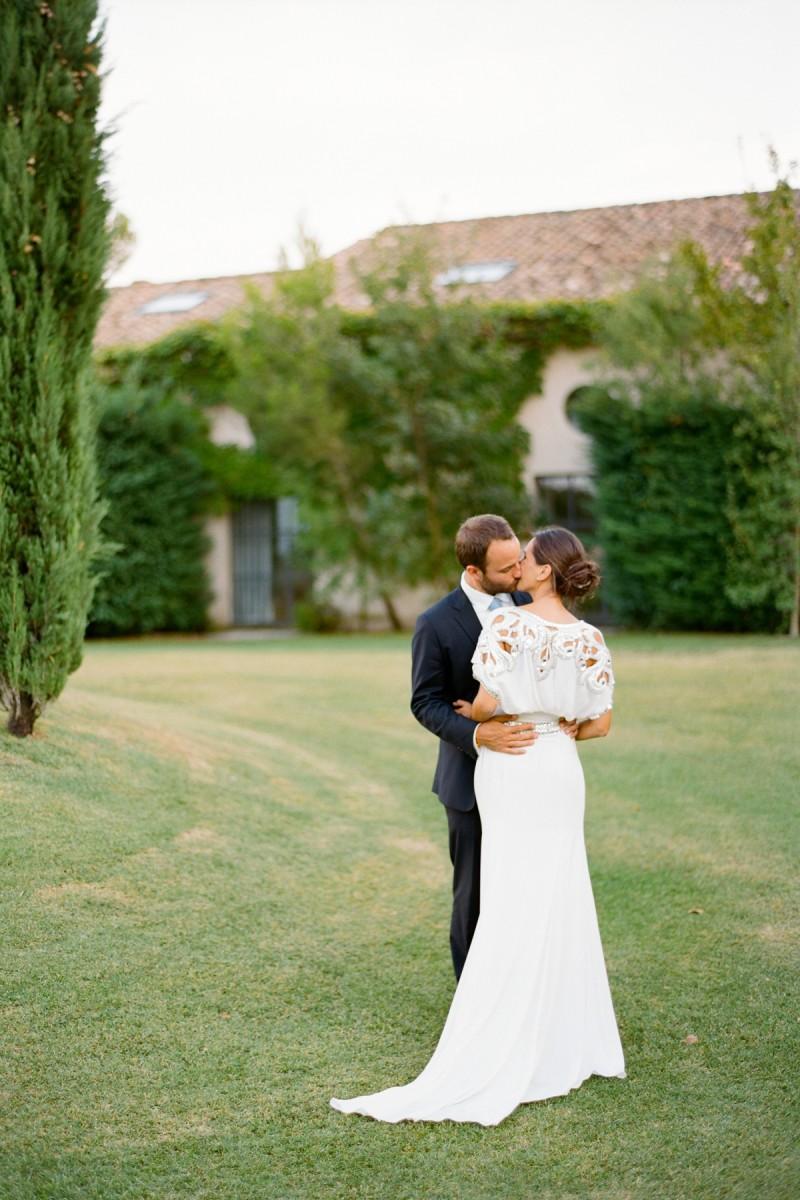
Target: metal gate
(252, 565)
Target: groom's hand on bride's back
(497, 734)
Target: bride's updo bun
(581, 579)
(576, 577)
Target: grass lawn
(226, 899)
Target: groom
(441, 674)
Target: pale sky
(237, 119)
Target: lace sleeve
(494, 652)
(596, 670)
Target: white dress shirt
(480, 601)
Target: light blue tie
(497, 603)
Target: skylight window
(174, 302)
(478, 272)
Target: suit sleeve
(428, 702)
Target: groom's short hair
(476, 535)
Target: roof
(585, 253)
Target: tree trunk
(391, 612)
(23, 715)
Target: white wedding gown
(532, 1015)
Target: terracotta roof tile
(583, 253)
(123, 323)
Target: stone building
(581, 254)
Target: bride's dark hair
(576, 577)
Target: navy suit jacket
(441, 672)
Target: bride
(532, 1015)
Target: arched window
(572, 402)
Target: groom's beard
(494, 589)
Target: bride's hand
(570, 728)
(463, 708)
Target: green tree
(388, 427)
(53, 248)
(289, 358)
(447, 383)
(755, 320)
(696, 429)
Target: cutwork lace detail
(510, 634)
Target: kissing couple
(509, 680)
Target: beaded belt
(539, 726)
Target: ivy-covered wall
(157, 489)
(192, 371)
(162, 474)
(194, 359)
(664, 472)
(192, 366)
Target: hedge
(664, 472)
(158, 489)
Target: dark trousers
(465, 855)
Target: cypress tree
(53, 248)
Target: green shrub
(157, 489)
(663, 473)
(317, 616)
